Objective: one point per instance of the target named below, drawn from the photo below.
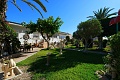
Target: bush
(115, 48)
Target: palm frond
(46, 0)
(109, 10)
(14, 3)
(91, 17)
(40, 4)
(109, 15)
(31, 5)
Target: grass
(94, 48)
(71, 65)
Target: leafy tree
(76, 35)
(68, 38)
(102, 13)
(77, 38)
(46, 27)
(89, 29)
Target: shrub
(115, 48)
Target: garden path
(23, 56)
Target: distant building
(62, 35)
(36, 37)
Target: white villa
(36, 37)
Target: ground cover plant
(71, 65)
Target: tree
(89, 29)
(102, 13)
(76, 35)
(46, 27)
(68, 38)
(5, 31)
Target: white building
(36, 37)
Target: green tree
(89, 29)
(76, 35)
(68, 38)
(102, 13)
(46, 27)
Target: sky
(71, 12)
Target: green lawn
(72, 65)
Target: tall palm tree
(102, 13)
(4, 31)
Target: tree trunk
(86, 44)
(100, 42)
(47, 44)
(45, 40)
(3, 30)
(3, 8)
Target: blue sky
(72, 12)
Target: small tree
(68, 38)
(76, 35)
(89, 29)
(46, 27)
(102, 13)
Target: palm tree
(102, 13)
(6, 33)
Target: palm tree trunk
(3, 8)
(3, 29)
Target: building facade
(36, 37)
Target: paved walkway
(23, 56)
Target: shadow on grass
(68, 59)
(99, 50)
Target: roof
(63, 33)
(14, 23)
